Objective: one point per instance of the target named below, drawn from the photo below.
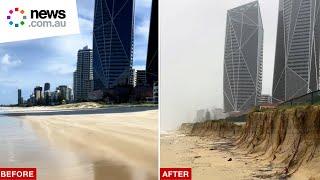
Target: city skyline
(26, 64)
(243, 59)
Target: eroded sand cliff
(286, 139)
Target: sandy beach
(207, 157)
(214, 151)
(120, 145)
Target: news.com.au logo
(19, 17)
(15, 21)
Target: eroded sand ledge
(275, 144)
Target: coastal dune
(212, 128)
(288, 137)
(272, 144)
(128, 139)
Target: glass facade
(113, 35)
(243, 59)
(296, 70)
(152, 57)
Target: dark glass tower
(243, 58)
(296, 70)
(152, 57)
(113, 34)
(47, 87)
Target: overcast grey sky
(192, 34)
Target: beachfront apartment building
(296, 70)
(243, 58)
(83, 76)
(141, 79)
(265, 99)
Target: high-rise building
(265, 99)
(141, 78)
(38, 97)
(132, 77)
(155, 92)
(113, 35)
(296, 70)
(83, 76)
(20, 99)
(54, 97)
(70, 97)
(47, 97)
(63, 94)
(152, 56)
(46, 87)
(243, 58)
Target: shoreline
(48, 110)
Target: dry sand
(208, 158)
(126, 144)
(281, 144)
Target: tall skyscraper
(83, 76)
(113, 35)
(152, 56)
(243, 59)
(296, 70)
(63, 93)
(46, 87)
(38, 95)
(20, 99)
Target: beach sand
(209, 157)
(114, 145)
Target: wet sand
(209, 157)
(85, 146)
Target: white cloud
(5, 60)
(139, 67)
(8, 61)
(143, 28)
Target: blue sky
(26, 64)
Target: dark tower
(152, 57)
(113, 35)
(243, 58)
(296, 70)
(46, 87)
